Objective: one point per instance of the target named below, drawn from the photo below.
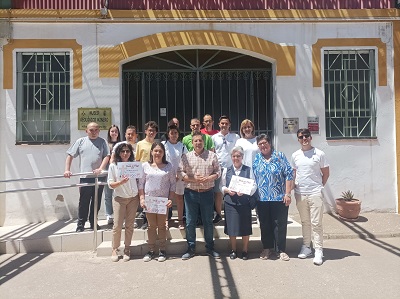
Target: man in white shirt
(311, 174)
(224, 142)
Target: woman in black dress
(237, 205)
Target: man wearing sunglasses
(311, 173)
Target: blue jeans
(108, 200)
(205, 202)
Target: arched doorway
(191, 83)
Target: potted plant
(348, 207)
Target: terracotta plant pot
(348, 210)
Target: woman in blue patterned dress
(274, 178)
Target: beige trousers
(124, 208)
(311, 210)
(156, 222)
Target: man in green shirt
(187, 140)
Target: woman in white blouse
(158, 180)
(125, 201)
(248, 142)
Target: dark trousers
(86, 199)
(273, 224)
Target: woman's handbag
(253, 200)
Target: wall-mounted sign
(101, 116)
(313, 124)
(290, 125)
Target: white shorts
(180, 187)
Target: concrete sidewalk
(369, 225)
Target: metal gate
(195, 89)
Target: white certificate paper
(133, 170)
(241, 185)
(156, 205)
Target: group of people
(195, 171)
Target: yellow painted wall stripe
(110, 57)
(350, 43)
(42, 44)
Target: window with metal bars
(43, 98)
(350, 94)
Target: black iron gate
(185, 93)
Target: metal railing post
(96, 202)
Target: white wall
(366, 167)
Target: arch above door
(110, 57)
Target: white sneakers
(306, 252)
(318, 257)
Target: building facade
(326, 66)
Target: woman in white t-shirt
(248, 143)
(174, 150)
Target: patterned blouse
(158, 182)
(271, 176)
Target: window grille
(350, 99)
(43, 98)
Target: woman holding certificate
(125, 201)
(156, 191)
(237, 205)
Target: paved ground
(354, 268)
(361, 261)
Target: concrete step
(60, 236)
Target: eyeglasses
(263, 143)
(125, 151)
(303, 136)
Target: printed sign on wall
(101, 116)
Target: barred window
(43, 98)
(350, 99)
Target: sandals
(284, 257)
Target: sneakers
(213, 253)
(188, 254)
(162, 256)
(318, 257)
(217, 219)
(144, 226)
(110, 220)
(127, 255)
(80, 228)
(149, 256)
(114, 255)
(304, 252)
(264, 255)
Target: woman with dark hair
(113, 137)
(174, 149)
(158, 180)
(125, 201)
(274, 178)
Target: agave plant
(347, 195)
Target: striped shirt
(204, 164)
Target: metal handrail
(90, 174)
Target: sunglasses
(303, 136)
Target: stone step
(60, 236)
